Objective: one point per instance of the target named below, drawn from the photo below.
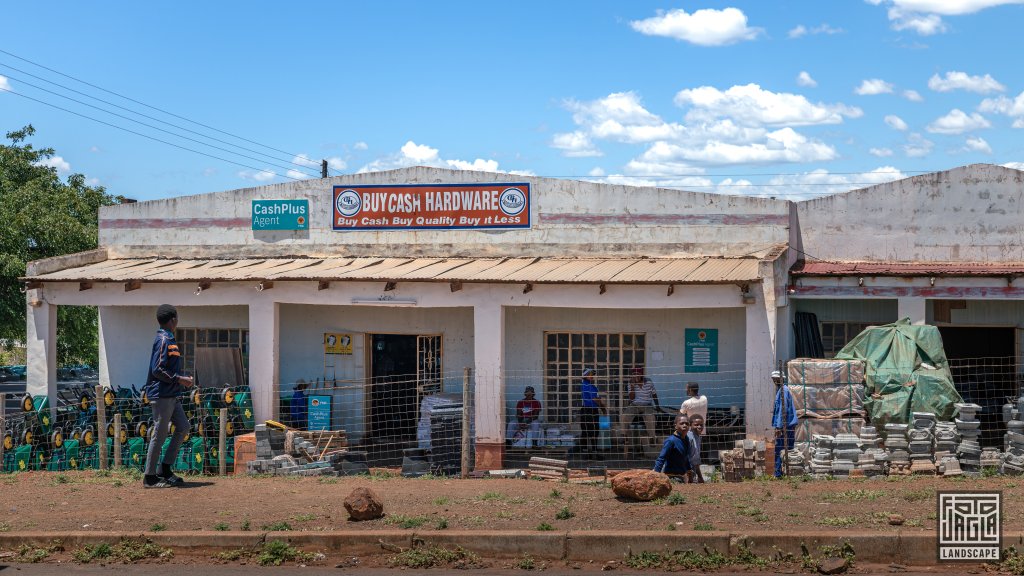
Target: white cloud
(360, 146)
(620, 116)
(924, 16)
(818, 182)
(94, 182)
(977, 144)
(60, 164)
(209, 172)
(1014, 165)
(257, 175)
(575, 145)
(822, 28)
(412, 154)
(961, 81)
(872, 87)
(880, 152)
(95, 149)
(895, 122)
(596, 171)
(4, 83)
(785, 145)
(705, 27)
(912, 95)
(917, 146)
(753, 106)
(804, 79)
(958, 122)
(1007, 107)
(797, 32)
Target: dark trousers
(588, 427)
(787, 441)
(165, 412)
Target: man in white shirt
(696, 404)
(643, 401)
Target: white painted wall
(302, 354)
(644, 221)
(989, 313)
(971, 213)
(524, 348)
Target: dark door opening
(393, 394)
(984, 367)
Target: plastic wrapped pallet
(826, 388)
(808, 427)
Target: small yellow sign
(337, 343)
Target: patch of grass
(991, 472)
(246, 525)
(276, 552)
(406, 522)
(126, 551)
(845, 552)
(382, 475)
(703, 499)
(232, 555)
(87, 554)
(328, 480)
(486, 496)
(544, 527)
(675, 499)
(671, 528)
(792, 514)
(158, 527)
(686, 560)
(433, 556)
(305, 517)
(836, 521)
(919, 494)
(914, 523)
(5, 526)
(555, 494)
(221, 527)
(703, 527)
(746, 557)
(61, 479)
(1013, 562)
(858, 495)
(1011, 484)
(281, 526)
(753, 511)
(525, 563)
(442, 501)
(442, 524)
(564, 513)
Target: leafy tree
(42, 217)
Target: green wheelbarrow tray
(243, 403)
(23, 457)
(42, 410)
(135, 453)
(58, 461)
(72, 455)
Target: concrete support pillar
(489, 377)
(104, 366)
(264, 350)
(41, 348)
(914, 308)
(759, 365)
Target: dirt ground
(88, 500)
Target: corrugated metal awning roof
(542, 270)
(849, 268)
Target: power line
(143, 135)
(144, 104)
(153, 127)
(140, 114)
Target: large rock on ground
(364, 504)
(641, 485)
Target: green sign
(280, 214)
(701, 349)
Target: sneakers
(169, 477)
(155, 482)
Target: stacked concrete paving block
(821, 455)
(845, 454)
(795, 460)
(1013, 457)
(922, 444)
(898, 447)
(991, 458)
(874, 458)
(746, 460)
(968, 429)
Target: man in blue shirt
(164, 385)
(592, 403)
(299, 410)
(674, 459)
(784, 421)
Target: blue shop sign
(280, 214)
(319, 412)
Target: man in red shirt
(528, 418)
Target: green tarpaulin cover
(907, 372)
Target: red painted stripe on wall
(910, 291)
(668, 219)
(166, 223)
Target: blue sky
(783, 98)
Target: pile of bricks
(845, 454)
(922, 444)
(899, 449)
(1013, 457)
(821, 455)
(968, 429)
(293, 453)
(872, 461)
(746, 460)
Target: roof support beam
(323, 285)
(671, 289)
(82, 286)
(455, 286)
(390, 286)
(602, 289)
(528, 288)
(264, 285)
(132, 285)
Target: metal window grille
(835, 335)
(191, 338)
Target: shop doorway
(983, 362)
(402, 368)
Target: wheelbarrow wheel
(124, 434)
(89, 436)
(227, 397)
(233, 426)
(140, 429)
(76, 434)
(145, 398)
(197, 398)
(8, 441)
(109, 397)
(27, 405)
(57, 439)
(83, 402)
(27, 437)
(110, 430)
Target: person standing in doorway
(528, 418)
(696, 404)
(164, 387)
(591, 405)
(297, 407)
(784, 421)
(643, 401)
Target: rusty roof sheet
(706, 270)
(851, 268)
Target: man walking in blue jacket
(674, 459)
(163, 387)
(783, 421)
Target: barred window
(191, 338)
(567, 354)
(835, 335)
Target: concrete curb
(909, 548)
